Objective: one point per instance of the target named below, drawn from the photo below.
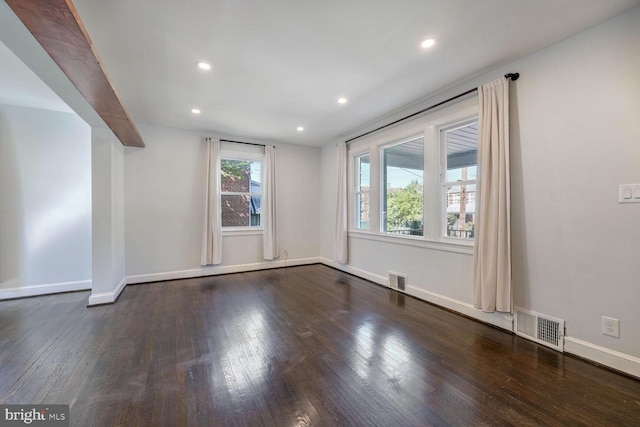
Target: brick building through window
(241, 193)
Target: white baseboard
(217, 270)
(107, 297)
(604, 356)
(501, 320)
(380, 280)
(53, 288)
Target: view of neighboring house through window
(241, 193)
(459, 180)
(402, 187)
(363, 175)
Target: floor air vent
(397, 281)
(540, 328)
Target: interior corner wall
(329, 185)
(108, 243)
(164, 197)
(574, 140)
(45, 202)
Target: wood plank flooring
(303, 346)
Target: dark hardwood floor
(297, 346)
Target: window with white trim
(458, 179)
(241, 192)
(418, 178)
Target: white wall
(575, 138)
(108, 242)
(45, 202)
(162, 201)
(164, 207)
(328, 188)
(298, 198)
(576, 114)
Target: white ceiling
(280, 64)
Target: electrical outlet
(611, 326)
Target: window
(363, 175)
(416, 182)
(402, 187)
(241, 192)
(460, 143)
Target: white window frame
(244, 153)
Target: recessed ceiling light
(204, 66)
(299, 128)
(428, 43)
(342, 100)
(195, 111)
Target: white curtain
(269, 219)
(212, 226)
(340, 247)
(492, 255)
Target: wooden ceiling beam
(56, 25)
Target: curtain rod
(510, 76)
(242, 142)
(246, 143)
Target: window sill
(415, 241)
(458, 242)
(242, 231)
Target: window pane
(362, 192)
(461, 209)
(255, 211)
(236, 176)
(462, 153)
(255, 183)
(240, 210)
(402, 188)
(460, 191)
